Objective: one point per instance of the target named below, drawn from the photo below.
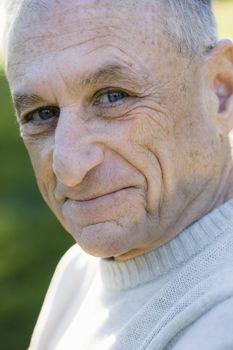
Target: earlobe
(221, 67)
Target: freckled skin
(161, 145)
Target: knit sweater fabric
(177, 297)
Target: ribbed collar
(144, 268)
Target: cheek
(148, 152)
(198, 142)
(41, 155)
(151, 127)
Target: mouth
(99, 208)
(94, 197)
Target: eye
(43, 114)
(111, 97)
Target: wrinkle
(93, 39)
(162, 194)
(150, 114)
(54, 48)
(111, 46)
(41, 38)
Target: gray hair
(190, 24)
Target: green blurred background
(31, 240)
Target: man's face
(113, 119)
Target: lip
(98, 209)
(92, 198)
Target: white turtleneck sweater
(177, 297)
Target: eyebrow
(112, 71)
(109, 73)
(26, 101)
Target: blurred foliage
(31, 239)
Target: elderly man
(126, 108)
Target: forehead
(76, 32)
(56, 21)
(56, 17)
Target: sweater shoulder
(69, 271)
(212, 331)
(69, 283)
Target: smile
(92, 198)
(101, 208)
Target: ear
(219, 69)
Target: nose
(76, 152)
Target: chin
(110, 238)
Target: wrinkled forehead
(40, 22)
(68, 31)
